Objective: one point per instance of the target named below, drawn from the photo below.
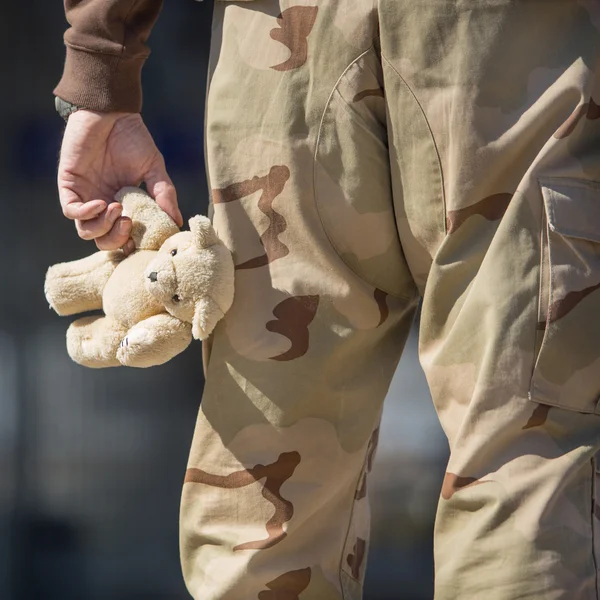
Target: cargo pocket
(567, 369)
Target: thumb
(161, 188)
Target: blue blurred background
(92, 462)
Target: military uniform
(364, 156)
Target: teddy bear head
(188, 266)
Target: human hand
(100, 154)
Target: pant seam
(433, 140)
(341, 563)
(349, 576)
(593, 524)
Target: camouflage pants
(363, 155)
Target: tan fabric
(363, 155)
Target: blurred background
(92, 462)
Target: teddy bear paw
(132, 345)
(137, 337)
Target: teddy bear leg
(76, 286)
(94, 341)
(154, 341)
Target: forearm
(106, 49)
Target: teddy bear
(175, 286)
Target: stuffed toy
(174, 287)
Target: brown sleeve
(105, 53)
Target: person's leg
(496, 151)
(274, 505)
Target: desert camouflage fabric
(363, 156)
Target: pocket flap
(573, 207)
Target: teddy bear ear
(206, 315)
(204, 234)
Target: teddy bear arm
(151, 224)
(76, 286)
(154, 341)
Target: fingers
(161, 188)
(94, 228)
(74, 207)
(110, 230)
(84, 211)
(129, 247)
(117, 237)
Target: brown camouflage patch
(381, 299)
(561, 308)
(567, 128)
(295, 25)
(593, 111)
(361, 492)
(377, 93)
(491, 208)
(275, 474)
(372, 448)
(288, 586)
(538, 416)
(356, 559)
(454, 483)
(294, 315)
(271, 185)
(590, 110)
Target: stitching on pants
(544, 258)
(340, 567)
(314, 185)
(439, 160)
(547, 257)
(593, 517)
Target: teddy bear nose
(153, 277)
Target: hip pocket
(352, 182)
(567, 369)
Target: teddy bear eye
(174, 252)
(176, 298)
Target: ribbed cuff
(102, 82)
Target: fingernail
(124, 226)
(98, 209)
(115, 213)
(129, 247)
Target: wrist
(89, 126)
(65, 109)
